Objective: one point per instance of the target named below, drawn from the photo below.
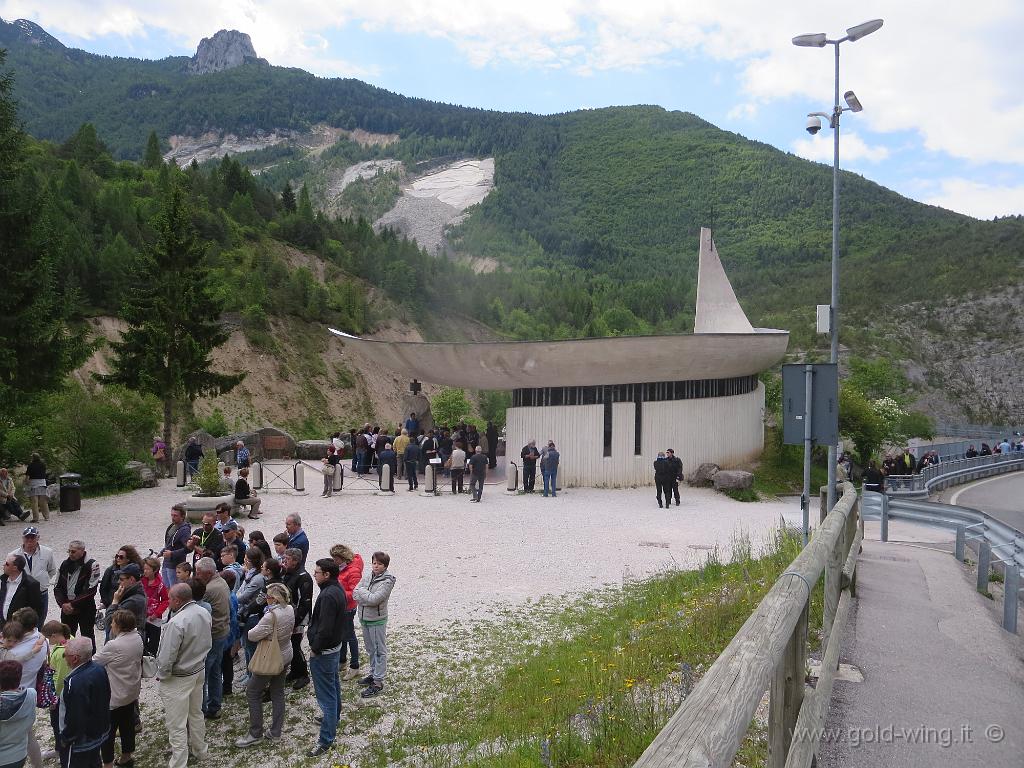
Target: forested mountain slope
(594, 215)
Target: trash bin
(70, 492)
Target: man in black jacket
(84, 714)
(529, 455)
(677, 474)
(18, 589)
(75, 590)
(326, 633)
(175, 544)
(413, 456)
(663, 475)
(300, 585)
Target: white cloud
(977, 198)
(852, 148)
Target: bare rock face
(703, 476)
(733, 480)
(227, 49)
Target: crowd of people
(215, 601)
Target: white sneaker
(248, 740)
(50, 754)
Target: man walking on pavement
(477, 474)
(677, 474)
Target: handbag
(267, 660)
(46, 691)
(148, 666)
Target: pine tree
(152, 159)
(36, 348)
(172, 317)
(288, 197)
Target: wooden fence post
(787, 693)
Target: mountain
(590, 221)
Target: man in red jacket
(350, 567)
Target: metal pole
(834, 311)
(984, 564)
(805, 500)
(961, 542)
(885, 517)
(1011, 588)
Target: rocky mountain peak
(227, 49)
(25, 31)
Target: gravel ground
(454, 561)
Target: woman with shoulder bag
(269, 664)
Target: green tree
(859, 421)
(493, 405)
(36, 348)
(450, 406)
(173, 319)
(153, 158)
(288, 198)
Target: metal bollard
(299, 482)
(513, 478)
(257, 475)
(429, 481)
(1011, 589)
(179, 474)
(961, 543)
(984, 563)
(885, 517)
(339, 477)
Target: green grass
(592, 681)
(781, 470)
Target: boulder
(702, 477)
(227, 443)
(733, 480)
(208, 441)
(145, 474)
(311, 450)
(273, 443)
(420, 405)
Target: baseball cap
(30, 531)
(131, 570)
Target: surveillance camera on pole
(813, 125)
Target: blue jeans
(213, 691)
(549, 477)
(168, 576)
(323, 668)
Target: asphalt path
(1001, 496)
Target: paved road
(1001, 496)
(943, 683)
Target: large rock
(420, 405)
(311, 450)
(145, 474)
(208, 441)
(227, 49)
(273, 443)
(703, 476)
(733, 480)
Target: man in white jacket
(185, 642)
(40, 565)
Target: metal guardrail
(770, 650)
(947, 473)
(992, 536)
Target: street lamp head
(863, 30)
(852, 101)
(813, 125)
(816, 40)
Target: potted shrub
(209, 495)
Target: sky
(943, 118)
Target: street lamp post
(820, 40)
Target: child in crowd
(183, 572)
(371, 596)
(280, 545)
(57, 635)
(229, 560)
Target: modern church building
(611, 404)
